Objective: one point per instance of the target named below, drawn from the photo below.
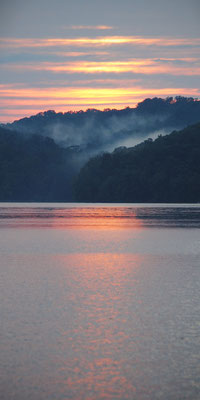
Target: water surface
(100, 301)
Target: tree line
(164, 170)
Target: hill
(34, 168)
(164, 170)
(94, 130)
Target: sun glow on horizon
(111, 71)
(27, 102)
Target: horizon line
(106, 109)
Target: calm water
(100, 302)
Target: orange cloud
(76, 95)
(95, 27)
(138, 66)
(98, 41)
(75, 53)
(19, 103)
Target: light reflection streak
(98, 339)
(72, 218)
(99, 217)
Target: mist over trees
(164, 170)
(35, 167)
(94, 130)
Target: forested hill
(164, 170)
(34, 169)
(95, 130)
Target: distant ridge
(104, 130)
(43, 165)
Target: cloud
(138, 66)
(98, 71)
(98, 41)
(17, 101)
(88, 93)
(90, 27)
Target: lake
(100, 301)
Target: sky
(77, 54)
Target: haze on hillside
(38, 168)
(94, 131)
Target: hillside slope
(33, 169)
(164, 170)
(95, 130)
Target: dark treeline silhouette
(164, 170)
(95, 130)
(34, 169)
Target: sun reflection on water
(69, 217)
(96, 306)
(97, 340)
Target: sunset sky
(71, 55)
